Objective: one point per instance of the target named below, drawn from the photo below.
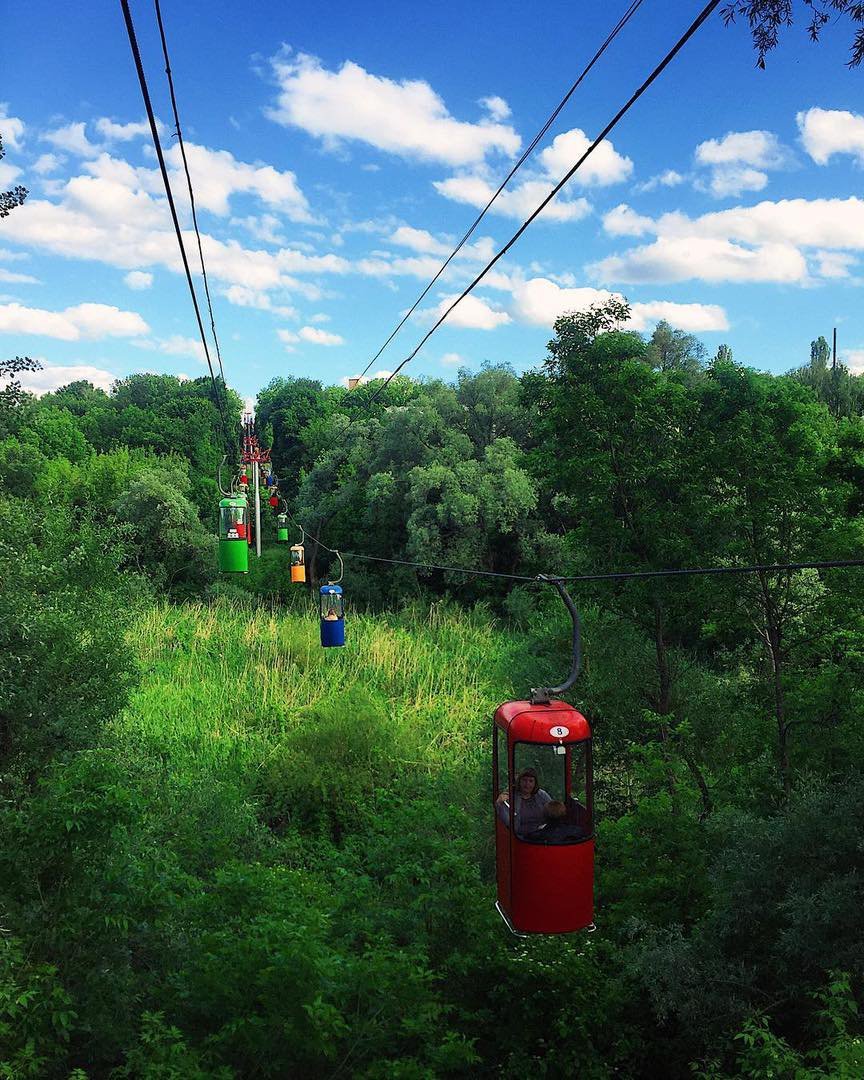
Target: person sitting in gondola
(531, 801)
(556, 827)
(331, 616)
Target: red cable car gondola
(543, 799)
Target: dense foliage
(225, 853)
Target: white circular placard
(559, 732)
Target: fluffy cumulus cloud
(11, 128)
(605, 166)
(122, 132)
(623, 220)
(496, 106)
(740, 161)
(316, 336)
(219, 175)
(825, 132)
(540, 302)
(518, 202)
(138, 280)
(407, 118)
(419, 240)
(73, 139)
(766, 242)
(472, 314)
(84, 321)
(452, 359)
(53, 376)
(854, 360)
(672, 259)
(175, 345)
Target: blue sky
(338, 151)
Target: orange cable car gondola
(542, 792)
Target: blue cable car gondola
(332, 616)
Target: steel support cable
(189, 185)
(703, 16)
(622, 575)
(622, 22)
(139, 67)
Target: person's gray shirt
(529, 812)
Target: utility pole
(834, 353)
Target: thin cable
(623, 575)
(189, 185)
(706, 12)
(622, 22)
(133, 41)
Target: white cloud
(624, 221)
(517, 202)
(266, 227)
(287, 337)
(734, 180)
(472, 313)
(759, 148)
(8, 174)
(834, 264)
(854, 360)
(72, 139)
(177, 345)
(452, 359)
(670, 178)
(249, 298)
(419, 240)
(540, 302)
(496, 106)
(217, 175)
(825, 132)
(319, 318)
(315, 336)
(138, 280)
(11, 278)
(694, 318)
(604, 166)
(738, 161)
(90, 321)
(53, 376)
(671, 259)
(406, 118)
(46, 163)
(122, 132)
(754, 243)
(11, 128)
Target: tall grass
(224, 684)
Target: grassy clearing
(223, 685)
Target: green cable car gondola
(281, 528)
(234, 535)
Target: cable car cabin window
(297, 555)
(556, 809)
(332, 607)
(232, 522)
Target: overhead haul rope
(622, 22)
(706, 12)
(189, 184)
(133, 41)
(622, 575)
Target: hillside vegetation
(226, 852)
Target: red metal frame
(542, 888)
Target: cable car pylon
(542, 790)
